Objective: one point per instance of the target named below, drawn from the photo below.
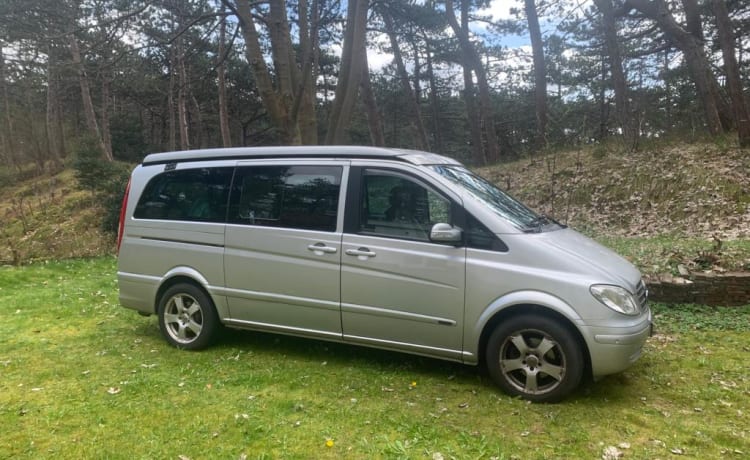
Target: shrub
(105, 179)
(6, 178)
(110, 198)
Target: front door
(399, 290)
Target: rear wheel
(187, 317)
(534, 357)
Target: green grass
(82, 377)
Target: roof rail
(317, 151)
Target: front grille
(641, 295)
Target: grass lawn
(82, 377)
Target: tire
(187, 317)
(534, 357)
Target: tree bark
(695, 56)
(308, 25)
(693, 23)
(472, 117)
(8, 132)
(88, 105)
(272, 102)
(350, 72)
(540, 73)
(281, 51)
(434, 100)
(603, 112)
(198, 117)
(106, 76)
(182, 110)
(474, 62)
(374, 120)
(619, 82)
(421, 140)
(171, 107)
(54, 134)
(732, 70)
(105, 125)
(221, 75)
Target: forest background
(97, 84)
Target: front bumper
(613, 350)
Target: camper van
(395, 249)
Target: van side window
(199, 194)
(478, 237)
(396, 206)
(303, 197)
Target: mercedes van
(395, 249)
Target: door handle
(321, 248)
(361, 252)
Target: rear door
(283, 247)
(398, 289)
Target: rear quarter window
(199, 194)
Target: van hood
(588, 256)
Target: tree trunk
(488, 118)
(171, 108)
(350, 72)
(603, 112)
(540, 74)
(221, 74)
(106, 76)
(88, 105)
(308, 122)
(54, 137)
(434, 101)
(693, 22)
(202, 135)
(474, 61)
(421, 140)
(694, 25)
(619, 82)
(105, 127)
(732, 70)
(37, 142)
(281, 49)
(272, 102)
(667, 88)
(8, 133)
(182, 110)
(472, 116)
(695, 56)
(374, 120)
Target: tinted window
(188, 194)
(394, 205)
(304, 197)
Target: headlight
(616, 298)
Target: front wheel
(534, 357)
(187, 317)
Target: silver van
(394, 249)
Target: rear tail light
(121, 226)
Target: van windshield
(500, 202)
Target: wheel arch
(504, 311)
(182, 275)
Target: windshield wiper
(537, 223)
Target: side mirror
(445, 233)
